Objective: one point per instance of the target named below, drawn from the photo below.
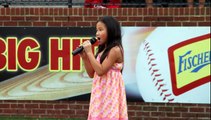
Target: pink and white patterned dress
(108, 98)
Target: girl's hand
(83, 55)
(87, 47)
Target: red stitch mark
(163, 92)
(154, 71)
(146, 46)
(149, 56)
(170, 100)
(158, 81)
(148, 51)
(152, 65)
(165, 96)
(157, 75)
(161, 85)
(151, 60)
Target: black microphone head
(93, 40)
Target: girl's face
(101, 33)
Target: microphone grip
(78, 50)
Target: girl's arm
(87, 65)
(113, 57)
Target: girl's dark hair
(114, 37)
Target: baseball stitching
(155, 73)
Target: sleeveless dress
(108, 98)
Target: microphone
(80, 49)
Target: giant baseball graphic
(174, 65)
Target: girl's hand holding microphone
(86, 49)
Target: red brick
(81, 12)
(17, 18)
(204, 24)
(34, 112)
(56, 11)
(90, 12)
(165, 109)
(181, 19)
(27, 11)
(45, 106)
(207, 109)
(150, 18)
(135, 18)
(188, 115)
(75, 18)
(63, 19)
(4, 18)
(49, 12)
(2, 11)
(150, 108)
(12, 10)
(4, 106)
(122, 18)
(158, 114)
(74, 107)
(24, 23)
(7, 11)
(91, 18)
(140, 11)
(10, 111)
(135, 12)
(158, 23)
(180, 109)
(83, 24)
(197, 110)
(120, 12)
(128, 23)
(182, 11)
(85, 107)
(46, 18)
(39, 23)
(82, 112)
(142, 23)
(31, 106)
(105, 11)
(160, 11)
(32, 11)
(189, 23)
(131, 113)
(70, 112)
(53, 112)
(208, 11)
(173, 114)
(24, 111)
(142, 114)
(66, 10)
(32, 18)
(57, 106)
(68, 24)
(54, 24)
(197, 18)
(174, 23)
(114, 12)
(165, 18)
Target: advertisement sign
(161, 64)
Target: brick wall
(189, 16)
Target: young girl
(108, 99)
